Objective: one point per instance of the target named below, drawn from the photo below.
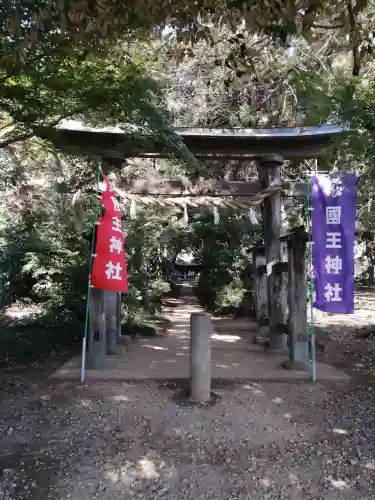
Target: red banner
(109, 267)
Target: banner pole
(311, 283)
(84, 338)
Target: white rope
(216, 216)
(186, 215)
(195, 202)
(133, 209)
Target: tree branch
(32, 132)
(16, 138)
(328, 26)
(354, 41)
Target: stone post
(97, 333)
(269, 174)
(118, 314)
(200, 357)
(297, 300)
(110, 305)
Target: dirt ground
(258, 441)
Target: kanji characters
(115, 245)
(333, 215)
(113, 271)
(116, 224)
(332, 292)
(109, 266)
(333, 200)
(333, 240)
(333, 265)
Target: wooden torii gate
(279, 254)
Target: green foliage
(40, 26)
(273, 65)
(231, 296)
(223, 251)
(95, 90)
(44, 255)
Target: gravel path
(123, 441)
(120, 441)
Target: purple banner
(333, 200)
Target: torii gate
(270, 147)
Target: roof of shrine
(113, 143)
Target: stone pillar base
(301, 366)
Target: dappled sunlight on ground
(254, 389)
(225, 338)
(147, 468)
(155, 347)
(128, 441)
(86, 403)
(120, 398)
(339, 484)
(339, 431)
(124, 441)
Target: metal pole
(311, 284)
(84, 338)
(83, 365)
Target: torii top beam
(112, 143)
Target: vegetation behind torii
(110, 62)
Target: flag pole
(311, 283)
(84, 338)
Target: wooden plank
(269, 173)
(282, 283)
(97, 329)
(297, 294)
(183, 186)
(260, 287)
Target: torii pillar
(269, 175)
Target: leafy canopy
(28, 26)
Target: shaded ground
(132, 441)
(260, 441)
(26, 342)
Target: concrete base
(296, 365)
(111, 341)
(278, 341)
(96, 356)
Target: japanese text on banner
(109, 268)
(333, 236)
